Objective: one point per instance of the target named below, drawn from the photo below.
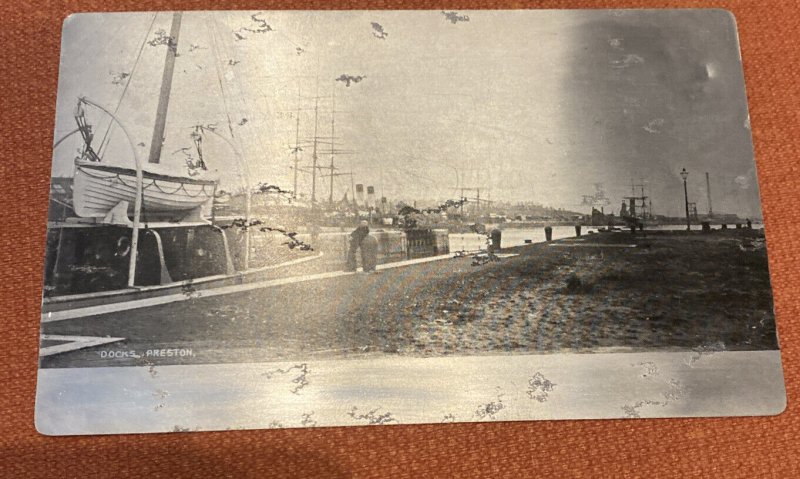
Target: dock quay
(535, 299)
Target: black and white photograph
(276, 219)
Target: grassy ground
(672, 290)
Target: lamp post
(684, 175)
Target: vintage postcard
(273, 219)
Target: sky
(525, 105)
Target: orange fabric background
(746, 447)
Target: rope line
(211, 29)
(107, 135)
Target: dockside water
(510, 237)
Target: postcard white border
(403, 390)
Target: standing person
(356, 237)
(369, 253)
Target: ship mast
(296, 149)
(314, 154)
(166, 86)
(157, 141)
(333, 141)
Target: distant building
(600, 219)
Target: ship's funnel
(359, 194)
(370, 196)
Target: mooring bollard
(706, 226)
(495, 235)
(578, 231)
(548, 233)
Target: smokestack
(359, 194)
(708, 192)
